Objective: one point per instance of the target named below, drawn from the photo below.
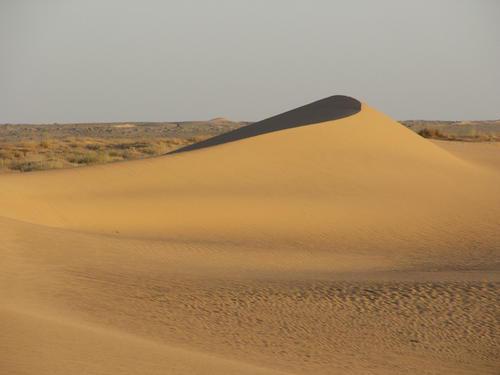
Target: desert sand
(348, 246)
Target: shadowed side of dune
(331, 108)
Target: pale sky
(161, 60)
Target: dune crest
(328, 109)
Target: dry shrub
(82, 158)
(131, 153)
(45, 144)
(432, 133)
(93, 146)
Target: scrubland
(25, 148)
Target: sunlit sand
(349, 246)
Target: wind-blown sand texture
(351, 246)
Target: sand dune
(349, 246)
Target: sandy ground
(480, 153)
(349, 247)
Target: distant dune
(329, 239)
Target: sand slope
(348, 246)
(485, 154)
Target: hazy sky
(119, 60)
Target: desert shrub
(91, 157)
(432, 133)
(130, 145)
(156, 149)
(54, 164)
(93, 146)
(6, 154)
(103, 157)
(45, 144)
(116, 153)
(83, 158)
(131, 154)
(172, 142)
(35, 165)
(196, 139)
(27, 145)
(4, 163)
(26, 165)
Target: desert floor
(352, 246)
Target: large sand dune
(351, 245)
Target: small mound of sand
(219, 120)
(124, 126)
